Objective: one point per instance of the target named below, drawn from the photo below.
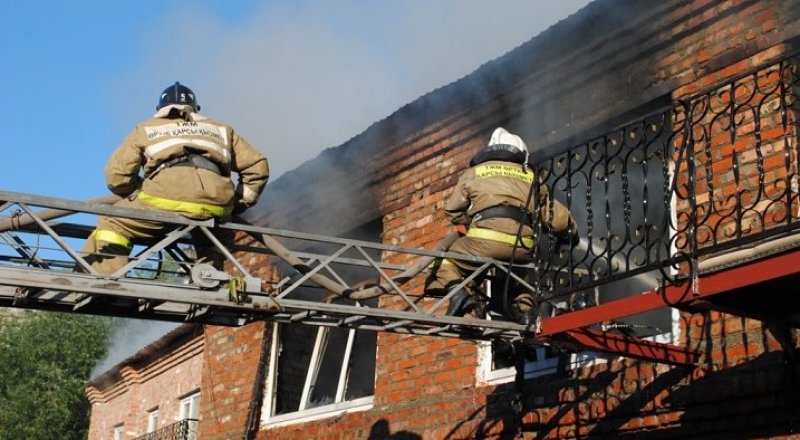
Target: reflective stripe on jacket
(199, 210)
(194, 192)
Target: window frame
(304, 413)
(119, 432)
(152, 420)
(192, 400)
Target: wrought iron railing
(711, 172)
(185, 429)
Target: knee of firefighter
(441, 273)
(523, 302)
(103, 256)
(97, 245)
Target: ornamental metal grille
(185, 429)
(712, 172)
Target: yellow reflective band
(201, 209)
(488, 234)
(112, 237)
(512, 171)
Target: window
(317, 372)
(152, 422)
(119, 432)
(189, 414)
(496, 362)
(190, 407)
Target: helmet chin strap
(185, 111)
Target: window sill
(318, 413)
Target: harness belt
(193, 160)
(502, 237)
(503, 211)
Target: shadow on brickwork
(380, 431)
(754, 397)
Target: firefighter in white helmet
(178, 161)
(490, 200)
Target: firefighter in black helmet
(177, 161)
(178, 94)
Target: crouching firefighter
(177, 161)
(490, 199)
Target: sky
(292, 77)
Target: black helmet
(178, 94)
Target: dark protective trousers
(447, 273)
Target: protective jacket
(499, 183)
(160, 146)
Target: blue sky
(293, 77)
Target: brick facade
(427, 386)
(157, 376)
(609, 59)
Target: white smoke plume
(130, 336)
(295, 79)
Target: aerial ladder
(40, 268)
(701, 227)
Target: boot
(461, 303)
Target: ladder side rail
(108, 210)
(252, 230)
(49, 214)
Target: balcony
(705, 184)
(185, 429)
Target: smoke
(130, 336)
(295, 79)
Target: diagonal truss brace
(48, 288)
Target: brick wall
(232, 359)
(560, 86)
(156, 377)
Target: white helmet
(502, 146)
(503, 137)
